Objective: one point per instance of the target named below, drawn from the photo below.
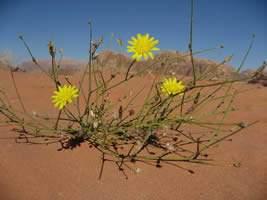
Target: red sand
(40, 172)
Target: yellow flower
(64, 95)
(142, 46)
(172, 87)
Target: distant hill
(183, 66)
(67, 66)
(178, 63)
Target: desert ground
(41, 172)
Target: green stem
(191, 42)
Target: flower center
(65, 96)
(142, 47)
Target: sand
(41, 172)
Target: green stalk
(17, 92)
(191, 42)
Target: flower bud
(50, 44)
(228, 58)
(119, 41)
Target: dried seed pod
(197, 98)
(113, 74)
(120, 112)
(243, 125)
(131, 112)
(192, 108)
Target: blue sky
(216, 22)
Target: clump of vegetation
(156, 130)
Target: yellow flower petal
(130, 50)
(151, 39)
(155, 42)
(61, 106)
(138, 57)
(134, 56)
(151, 55)
(134, 39)
(133, 43)
(145, 55)
(155, 49)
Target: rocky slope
(67, 66)
(167, 62)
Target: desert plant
(158, 130)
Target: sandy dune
(40, 172)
